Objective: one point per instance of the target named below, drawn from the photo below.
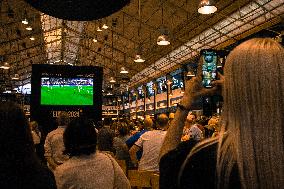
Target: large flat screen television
(62, 91)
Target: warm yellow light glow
(105, 26)
(123, 70)
(29, 28)
(5, 66)
(163, 40)
(139, 59)
(25, 21)
(207, 7)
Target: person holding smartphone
(248, 153)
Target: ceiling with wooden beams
(134, 27)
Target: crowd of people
(242, 148)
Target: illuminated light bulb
(207, 7)
(163, 40)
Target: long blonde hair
(253, 116)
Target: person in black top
(249, 152)
(171, 163)
(19, 166)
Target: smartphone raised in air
(209, 66)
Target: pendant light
(16, 77)
(105, 26)
(99, 29)
(112, 80)
(5, 66)
(163, 39)
(29, 28)
(95, 39)
(123, 70)
(138, 56)
(25, 21)
(207, 7)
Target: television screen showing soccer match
(66, 91)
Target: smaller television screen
(162, 85)
(66, 91)
(150, 90)
(177, 79)
(132, 95)
(140, 92)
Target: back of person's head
(195, 133)
(213, 120)
(123, 129)
(80, 137)
(162, 121)
(63, 119)
(191, 117)
(148, 123)
(171, 115)
(107, 121)
(254, 115)
(105, 139)
(15, 134)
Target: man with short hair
(106, 136)
(151, 143)
(54, 145)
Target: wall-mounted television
(140, 92)
(150, 90)
(162, 84)
(66, 91)
(132, 95)
(177, 79)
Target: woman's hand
(194, 89)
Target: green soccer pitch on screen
(66, 91)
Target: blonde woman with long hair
(249, 152)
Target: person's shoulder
(205, 149)
(147, 135)
(180, 152)
(50, 134)
(200, 163)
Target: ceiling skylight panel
(273, 4)
(222, 24)
(262, 2)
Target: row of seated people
(246, 152)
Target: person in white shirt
(151, 143)
(54, 145)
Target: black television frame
(43, 114)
